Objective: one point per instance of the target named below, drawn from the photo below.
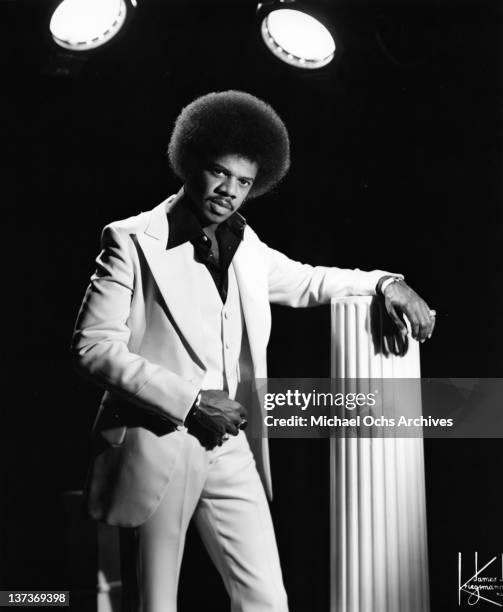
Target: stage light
(297, 38)
(80, 25)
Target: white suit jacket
(139, 335)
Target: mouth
(220, 206)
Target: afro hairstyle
(231, 122)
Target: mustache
(222, 201)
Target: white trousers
(223, 491)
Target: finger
(242, 422)
(397, 320)
(395, 344)
(232, 429)
(419, 317)
(432, 314)
(424, 330)
(237, 414)
(433, 325)
(416, 323)
(234, 416)
(218, 426)
(401, 344)
(421, 324)
(234, 406)
(231, 417)
(430, 321)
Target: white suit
(139, 336)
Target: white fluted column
(378, 549)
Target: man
(175, 326)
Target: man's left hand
(401, 300)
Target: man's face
(219, 189)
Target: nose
(228, 186)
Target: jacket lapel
(174, 274)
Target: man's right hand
(219, 414)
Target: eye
(245, 182)
(218, 172)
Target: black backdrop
(396, 164)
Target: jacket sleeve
(295, 284)
(101, 336)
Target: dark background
(396, 164)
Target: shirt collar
(184, 226)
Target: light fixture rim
(97, 41)
(287, 56)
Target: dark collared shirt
(184, 226)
